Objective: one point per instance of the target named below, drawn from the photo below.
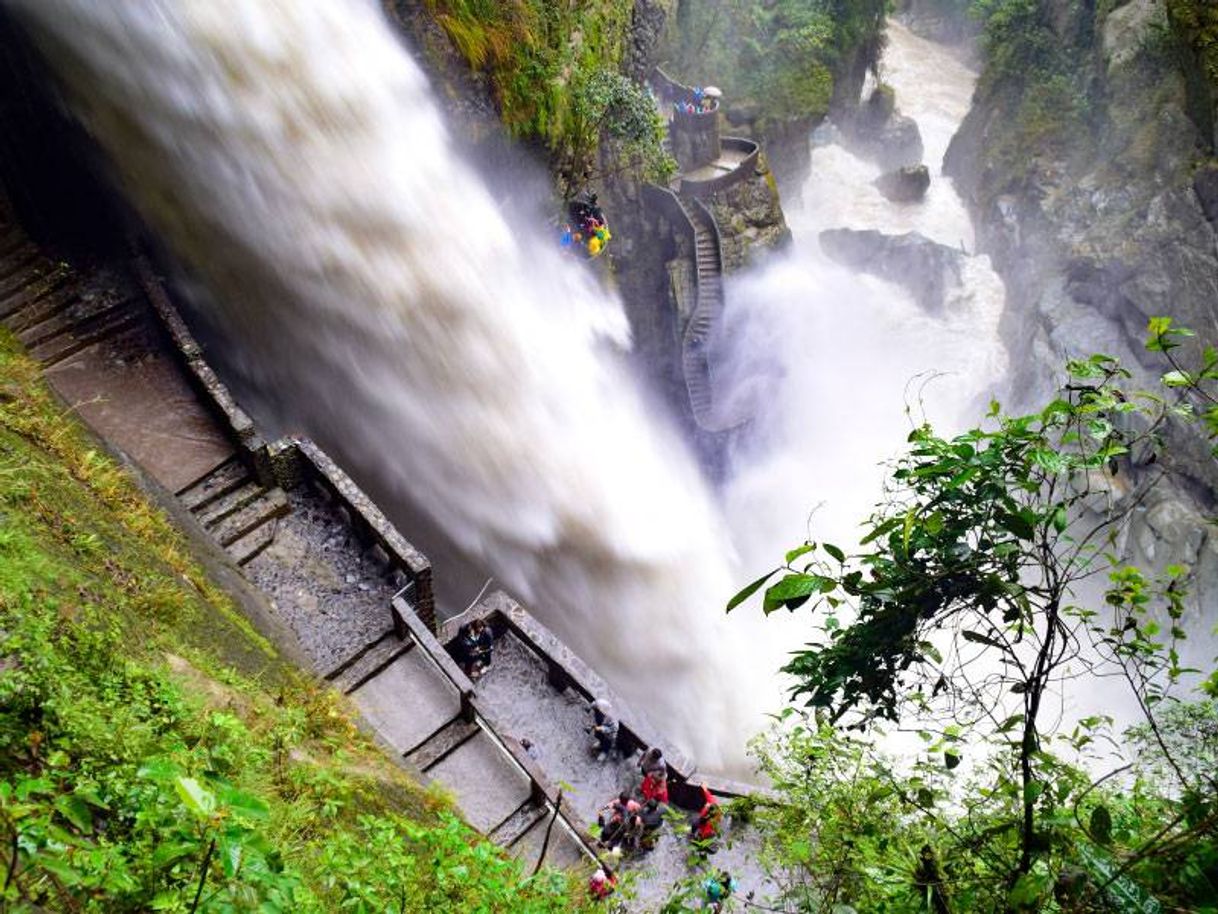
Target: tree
(611, 106)
(990, 577)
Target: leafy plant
(967, 605)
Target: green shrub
(155, 754)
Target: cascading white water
(837, 355)
(290, 154)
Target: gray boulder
(905, 185)
(929, 270)
(881, 133)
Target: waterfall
(291, 155)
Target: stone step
(223, 479)
(272, 504)
(16, 254)
(248, 547)
(25, 273)
(369, 663)
(78, 339)
(39, 307)
(447, 739)
(515, 826)
(15, 307)
(229, 503)
(81, 314)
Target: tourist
(652, 760)
(718, 887)
(602, 884)
(706, 827)
(477, 644)
(652, 817)
(603, 729)
(633, 832)
(655, 786)
(614, 817)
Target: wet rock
(905, 185)
(750, 219)
(1100, 229)
(646, 30)
(881, 133)
(1205, 186)
(929, 270)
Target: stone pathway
(104, 351)
(104, 354)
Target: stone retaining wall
(289, 462)
(743, 171)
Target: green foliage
(1196, 22)
(1036, 74)
(963, 611)
(611, 106)
(782, 56)
(154, 754)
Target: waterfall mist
(292, 158)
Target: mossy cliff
(156, 751)
(783, 65)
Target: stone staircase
(238, 511)
(87, 326)
(61, 319)
(419, 714)
(43, 302)
(695, 349)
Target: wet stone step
(21, 304)
(370, 663)
(409, 701)
(562, 852)
(80, 315)
(221, 480)
(450, 737)
(25, 274)
(35, 308)
(514, 827)
(69, 344)
(248, 547)
(271, 505)
(487, 785)
(229, 503)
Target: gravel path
(321, 583)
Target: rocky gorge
(1089, 176)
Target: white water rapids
(291, 156)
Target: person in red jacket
(602, 884)
(706, 826)
(655, 786)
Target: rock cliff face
(750, 219)
(1087, 194)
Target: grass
(155, 752)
